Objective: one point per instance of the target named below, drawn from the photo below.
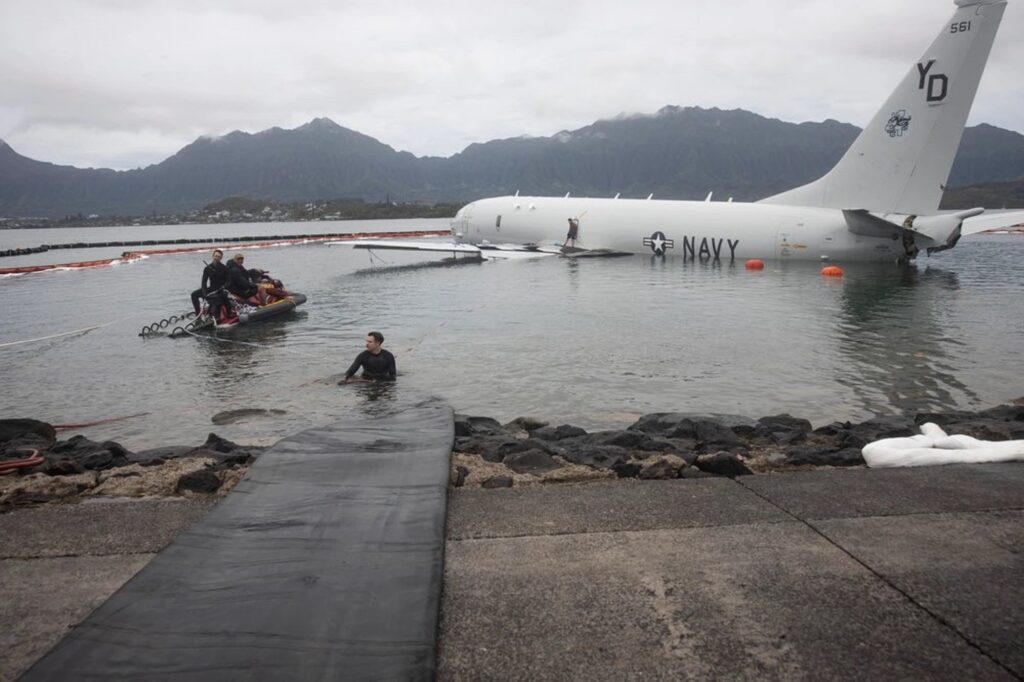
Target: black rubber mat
(325, 562)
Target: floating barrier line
(126, 257)
(207, 245)
(207, 240)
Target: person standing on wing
(574, 229)
(377, 363)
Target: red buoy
(831, 271)
(754, 264)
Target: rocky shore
(51, 470)
(487, 453)
(526, 451)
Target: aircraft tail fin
(901, 160)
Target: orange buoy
(754, 264)
(831, 271)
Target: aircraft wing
(993, 220)
(408, 245)
(482, 251)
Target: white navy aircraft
(879, 203)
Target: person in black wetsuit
(239, 279)
(215, 276)
(377, 363)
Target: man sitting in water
(377, 363)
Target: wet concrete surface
(909, 573)
(903, 573)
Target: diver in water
(377, 363)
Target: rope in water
(83, 330)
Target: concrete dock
(841, 573)
(870, 574)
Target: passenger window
(497, 223)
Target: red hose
(9, 466)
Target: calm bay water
(594, 343)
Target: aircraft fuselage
(693, 230)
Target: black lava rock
(89, 454)
(1006, 413)
(558, 432)
(64, 466)
(722, 464)
(942, 418)
(533, 461)
(824, 456)
(628, 469)
(492, 449)
(596, 456)
(14, 429)
(782, 429)
(983, 429)
(218, 444)
(202, 481)
(474, 426)
(624, 439)
(164, 454)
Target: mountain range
(676, 153)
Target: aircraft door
(788, 244)
(461, 222)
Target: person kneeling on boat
(377, 363)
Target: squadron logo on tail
(898, 123)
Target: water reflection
(232, 357)
(386, 268)
(900, 356)
(381, 399)
(376, 398)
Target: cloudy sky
(126, 83)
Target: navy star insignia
(659, 243)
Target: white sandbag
(933, 446)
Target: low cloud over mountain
(677, 153)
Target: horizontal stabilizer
(994, 220)
(868, 224)
(932, 232)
